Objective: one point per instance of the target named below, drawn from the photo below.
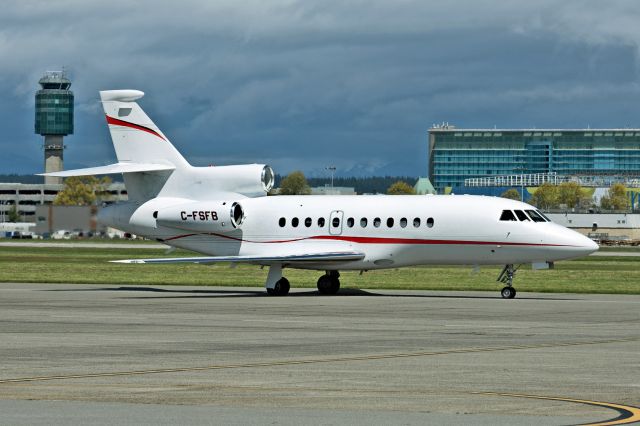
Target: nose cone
(586, 245)
(577, 245)
(569, 244)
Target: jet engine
(249, 180)
(202, 216)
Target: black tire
(508, 293)
(281, 288)
(328, 285)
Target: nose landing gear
(506, 277)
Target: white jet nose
(584, 246)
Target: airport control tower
(54, 118)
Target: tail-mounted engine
(250, 180)
(205, 216)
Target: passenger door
(335, 222)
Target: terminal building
(456, 155)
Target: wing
(298, 258)
(112, 169)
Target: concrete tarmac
(78, 354)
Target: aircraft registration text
(201, 215)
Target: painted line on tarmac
(310, 361)
(627, 414)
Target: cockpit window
(535, 216)
(508, 215)
(543, 215)
(522, 216)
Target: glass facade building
(457, 154)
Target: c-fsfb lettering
(199, 215)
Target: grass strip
(613, 275)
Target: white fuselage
(391, 231)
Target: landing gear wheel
(281, 288)
(508, 292)
(329, 284)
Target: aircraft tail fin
(135, 137)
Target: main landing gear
(277, 285)
(280, 288)
(506, 277)
(329, 282)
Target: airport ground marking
(627, 414)
(311, 361)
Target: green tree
(511, 194)
(545, 197)
(401, 188)
(81, 191)
(295, 184)
(572, 195)
(616, 199)
(13, 214)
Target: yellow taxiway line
(627, 414)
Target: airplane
(224, 213)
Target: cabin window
(335, 222)
(282, 222)
(350, 222)
(508, 215)
(155, 214)
(430, 222)
(522, 216)
(390, 222)
(308, 222)
(403, 222)
(535, 216)
(416, 222)
(295, 222)
(363, 222)
(321, 222)
(376, 222)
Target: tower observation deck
(54, 119)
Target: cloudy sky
(308, 84)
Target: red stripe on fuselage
(383, 240)
(377, 240)
(118, 122)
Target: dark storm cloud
(304, 84)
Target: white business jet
(224, 213)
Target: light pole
(332, 170)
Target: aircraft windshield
(522, 216)
(508, 215)
(535, 216)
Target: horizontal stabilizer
(112, 169)
(302, 258)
